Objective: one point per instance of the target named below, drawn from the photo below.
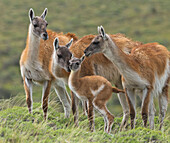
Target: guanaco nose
(86, 52)
(45, 36)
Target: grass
(17, 125)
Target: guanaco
(145, 69)
(35, 62)
(96, 90)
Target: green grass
(17, 125)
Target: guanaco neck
(33, 46)
(74, 80)
(59, 71)
(124, 62)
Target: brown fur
(146, 68)
(156, 54)
(84, 87)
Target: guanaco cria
(96, 90)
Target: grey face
(62, 54)
(75, 64)
(39, 27)
(39, 24)
(95, 46)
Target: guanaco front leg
(84, 106)
(132, 103)
(28, 91)
(75, 102)
(64, 97)
(125, 106)
(45, 95)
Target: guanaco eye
(77, 64)
(96, 42)
(59, 56)
(47, 24)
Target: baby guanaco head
(75, 63)
(38, 24)
(98, 44)
(62, 54)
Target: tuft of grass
(17, 125)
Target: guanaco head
(75, 63)
(38, 24)
(62, 54)
(98, 43)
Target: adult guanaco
(96, 90)
(146, 69)
(35, 62)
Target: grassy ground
(17, 125)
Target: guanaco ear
(98, 29)
(44, 13)
(56, 44)
(68, 45)
(103, 32)
(82, 58)
(31, 14)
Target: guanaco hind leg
(145, 105)
(91, 115)
(108, 117)
(151, 112)
(163, 104)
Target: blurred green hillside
(141, 20)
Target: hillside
(17, 125)
(145, 21)
(141, 20)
